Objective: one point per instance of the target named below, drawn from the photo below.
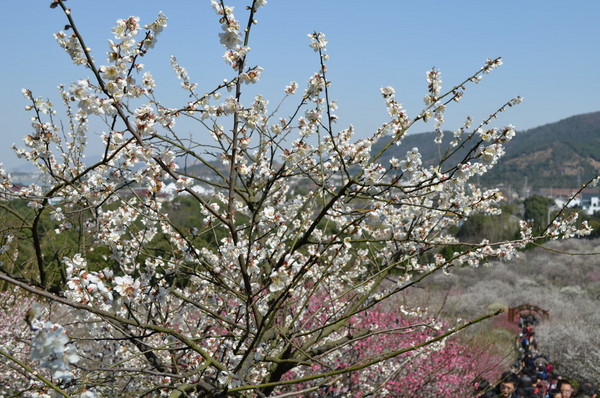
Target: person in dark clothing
(587, 390)
(507, 388)
(526, 387)
(483, 389)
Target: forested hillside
(560, 154)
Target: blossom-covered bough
(283, 278)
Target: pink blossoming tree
(447, 368)
(301, 231)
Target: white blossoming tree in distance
(298, 232)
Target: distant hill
(561, 154)
(556, 155)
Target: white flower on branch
(72, 47)
(52, 349)
(317, 41)
(291, 88)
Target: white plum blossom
(388, 92)
(236, 57)
(155, 28)
(145, 118)
(269, 213)
(159, 24)
(516, 101)
(127, 287)
(260, 3)
(412, 161)
(52, 349)
(491, 64)
(126, 27)
(291, 88)
(252, 76)
(110, 72)
(148, 81)
(279, 281)
(230, 35)
(182, 75)
(317, 41)
(72, 46)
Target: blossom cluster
(51, 350)
(14, 338)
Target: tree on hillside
(301, 232)
(493, 227)
(536, 211)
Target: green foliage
(448, 251)
(536, 211)
(19, 228)
(496, 228)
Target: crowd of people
(533, 375)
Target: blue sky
(550, 49)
